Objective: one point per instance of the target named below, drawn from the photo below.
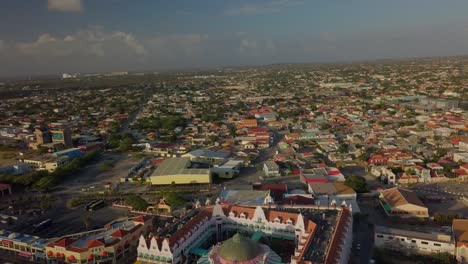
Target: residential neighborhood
(106, 174)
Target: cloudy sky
(55, 36)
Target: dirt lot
(8, 158)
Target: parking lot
(443, 198)
(69, 221)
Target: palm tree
(87, 220)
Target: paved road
(125, 126)
(363, 236)
(68, 220)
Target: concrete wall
(181, 179)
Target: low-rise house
(334, 194)
(403, 203)
(271, 169)
(406, 179)
(460, 234)
(384, 174)
(229, 169)
(247, 123)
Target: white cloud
(93, 41)
(74, 6)
(272, 6)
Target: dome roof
(238, 249)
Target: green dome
(238, 249)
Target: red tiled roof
(120, 233)
(64, 242)
(95, 243)
(141, 219)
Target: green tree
(358, 183)
(136, 202)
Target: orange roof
(120, 233)
(460, 230)
(248, 123)
(399, 196)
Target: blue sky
(54, 36)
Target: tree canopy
(358, 183)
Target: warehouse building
(180, 171)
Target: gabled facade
(216, 221)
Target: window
(402, 239)
(424, 242)
(379, 236)
(414, 241)
(437, 244)
(390, 237)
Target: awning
(387, 207)
(25, 254)
(7, 242)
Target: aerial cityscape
(270, 142)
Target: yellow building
(46, 162)
(179, 171)
(115, 243)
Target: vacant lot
(8, 158)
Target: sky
(68, 36)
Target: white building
(413, 242)
(460, 157)
(271, 169)
(230, 169)
(330, 194)
(174, 243)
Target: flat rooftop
(244, 197)
(178, 166)
(210, 154)
(231, 164)
(331, 188)
(21, 238)
(434, 235)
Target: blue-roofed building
(71, 153)
(30, 248)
